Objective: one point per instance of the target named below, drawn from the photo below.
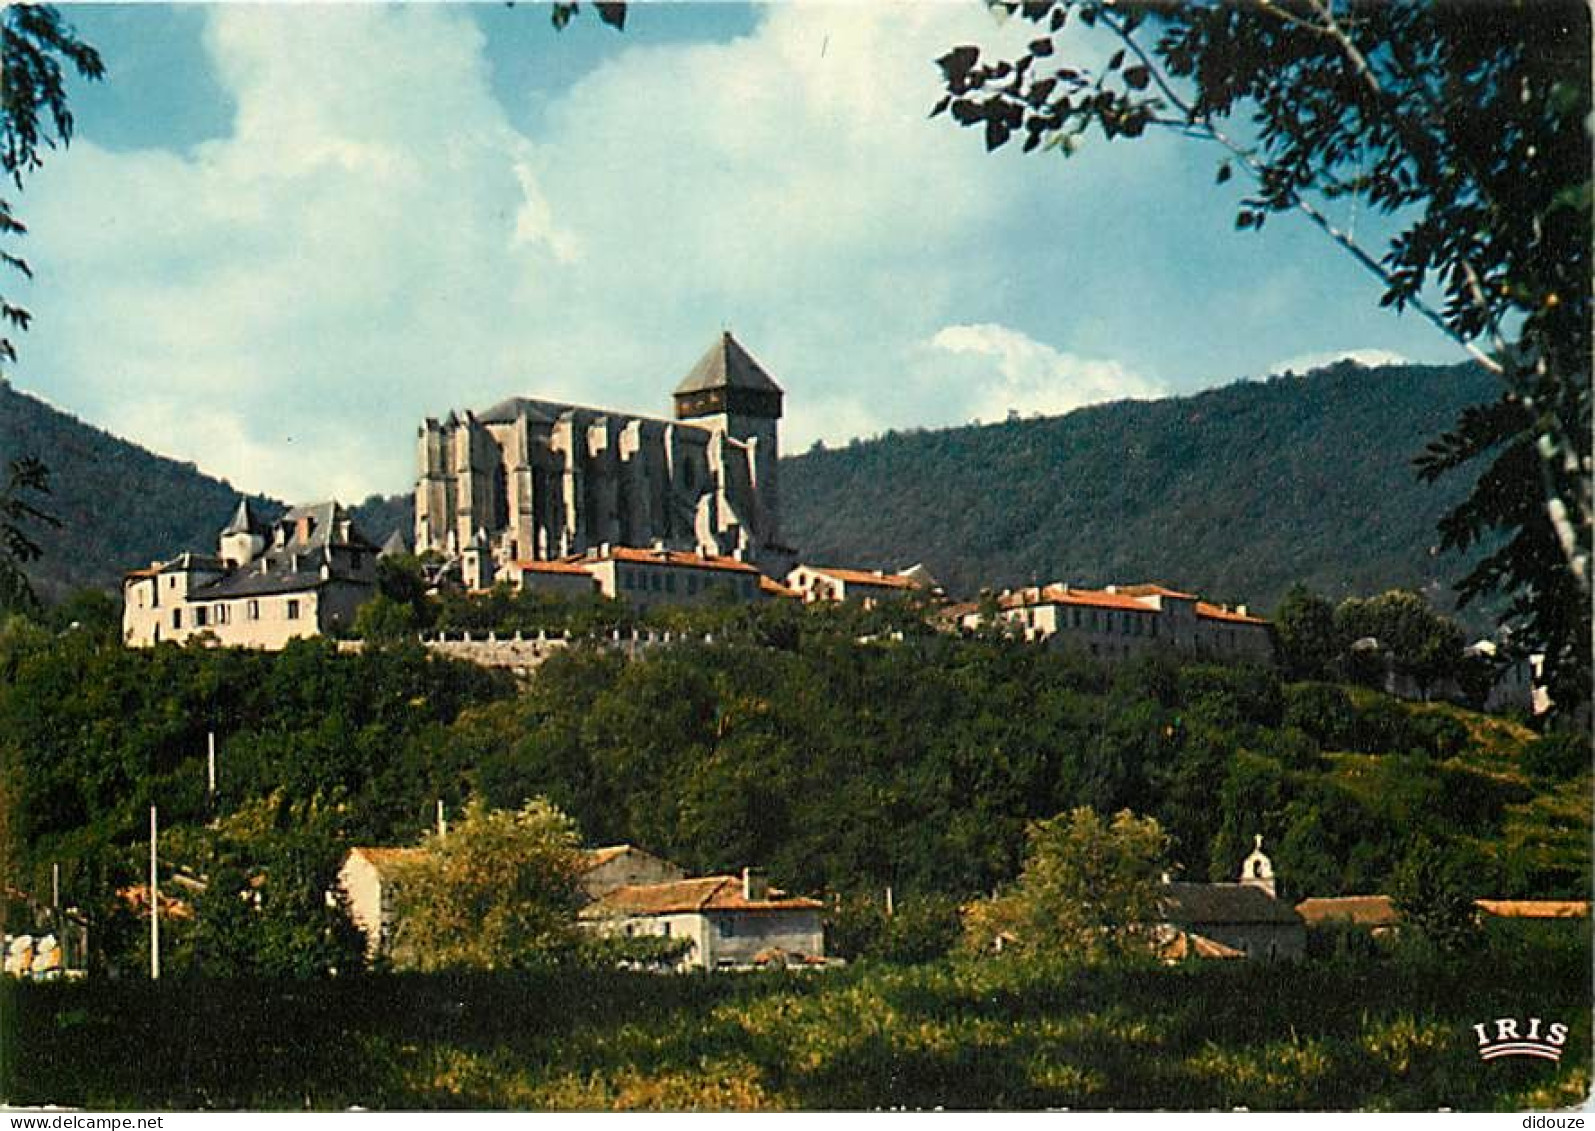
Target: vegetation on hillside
(1235, 493)
(842, 767)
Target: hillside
(1235, 492)
(120, 505)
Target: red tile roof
(706, 893)
(667, 557)
(1060, 595)
(1218, 612)
(775, 589)
(384, 859)
(866, 577)
(1535, 908)
(549, 567)
(1188, 944)
(1361, 910)
(1152, 589)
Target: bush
(1383, 726)
(1442, 735)
(1323, 711)
(1557, 757)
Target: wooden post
(443, 825)
(155, 906)
(210, 767)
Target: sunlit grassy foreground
(1376, 1032)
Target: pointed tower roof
(727, 365)
(246, 521)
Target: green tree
(1430, 889)
(1421, 643)
(1304, 625)
(499, 890)
(26, 479)
(1467, 125)
(1088, 890)
(265, 911)
(34, 43)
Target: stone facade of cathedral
(533, 480)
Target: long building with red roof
(1120, 622)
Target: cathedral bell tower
(730, 393)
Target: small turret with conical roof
(244, 536)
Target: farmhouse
(867, 587)
(730, 921)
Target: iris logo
(1507, 1036)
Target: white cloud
(1024, 376)
(1368, 357)
(375, 241)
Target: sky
(283, 235)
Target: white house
(730, 921)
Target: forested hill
(119, 505)
(1236, 492)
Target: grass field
(1380, 1033)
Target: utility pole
(210, 768)
(443, 825)
(155, 907)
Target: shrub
(1557, 757)
(1323, 711)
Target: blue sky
(283, 235)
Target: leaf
(1138, 77)
(1116, 60)
(996, 133)
(1224, 173)
(613, 14)
(946, 100)
(956, 63)
(1041, 48)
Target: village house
(625, 865)
(269, 582)
(1121, 622)
(370, 878)
(867, 587)
(729, 921)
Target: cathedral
(532, 480)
